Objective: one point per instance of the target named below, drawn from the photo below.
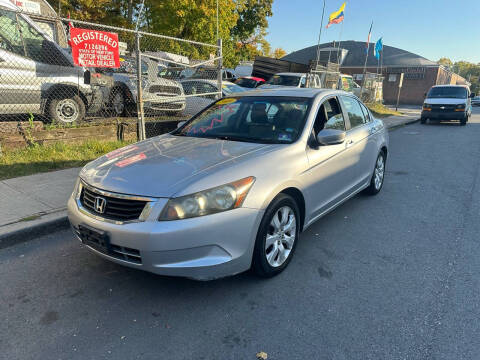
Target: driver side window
(10, 39)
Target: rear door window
(366, 113)
(354, 111)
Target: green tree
(278, 53)
(445, 62)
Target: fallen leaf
(262, 355)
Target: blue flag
(378, 48)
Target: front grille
(438, 107)
(115, 208)
(165, 90)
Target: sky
(430, 28)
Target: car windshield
(231, 88)
(248, 83)
(447, 92)
(259, 119)
(285, 80)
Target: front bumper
(202, 248)
(444, 115)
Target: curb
(31, 232)
(396, 126)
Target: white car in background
(298, 80)
(476, 101)
(159, 94)
(207, 91)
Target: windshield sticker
(226, 101)
(229, 109)
(121, 151)
(284, 137)
(131, 160)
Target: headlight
(221, 198)
(461, 106)
(76, 189)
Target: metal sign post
(220, 68)
(400, 84)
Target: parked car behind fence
(38, 77)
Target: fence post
(140, 113)
(220, 65)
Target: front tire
(66, 109)
(378, 177)
(277, 237)
(463, 121)
(423, 120)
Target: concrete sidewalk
(30, 204)
(34, 205)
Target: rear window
(447, 92)
(248, 83)
(284, 80)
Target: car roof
(9, 5)
(290, 91)
(291, 74)
(436, 86)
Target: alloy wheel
(280, 236)
(379, 172)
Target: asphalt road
(390, 277)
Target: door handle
(349, 143)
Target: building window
(392, 77)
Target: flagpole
(339, 42)
(366, 58)
(320, 34)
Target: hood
(445, 101)
(162, 166)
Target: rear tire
(378, 177)
(277, 237)
(118, 102)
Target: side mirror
(180, 124)
(472, 95)
(87, 76)
(425, 95)
(331, 137)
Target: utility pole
(217, 19)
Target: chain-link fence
(156, 82)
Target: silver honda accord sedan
(232, 188)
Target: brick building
(419, 73)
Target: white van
(448, 102)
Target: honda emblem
(100, 204)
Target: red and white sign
(92, 48)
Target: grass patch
(30, 218)
(381, 111)
(57, 156)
